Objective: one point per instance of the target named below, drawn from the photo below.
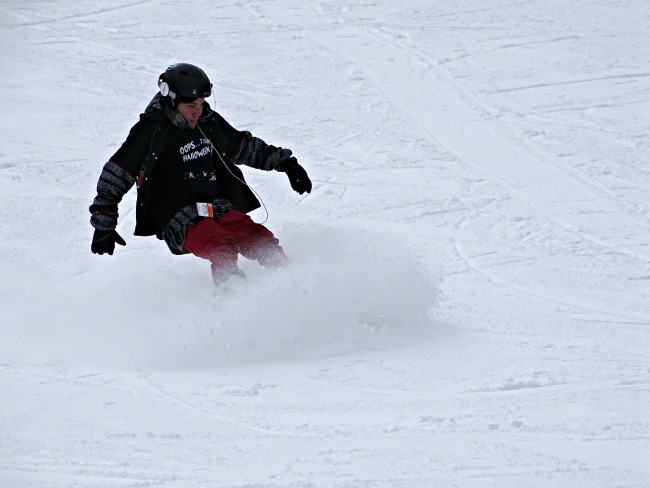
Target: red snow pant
(220, 241)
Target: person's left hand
(298, 178)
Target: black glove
(298, 178)
(104, 241)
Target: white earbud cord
(214, 150)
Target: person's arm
(254, 152)
(259, 155)
(114, 182)
(116, 179)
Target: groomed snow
(468, 303)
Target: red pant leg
(255, 241)
(209, 240)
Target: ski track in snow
(467, 303)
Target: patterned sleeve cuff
(103, 221)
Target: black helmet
(184, 82)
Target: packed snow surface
(468, 299)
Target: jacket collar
(157, 107)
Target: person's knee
(221, 245)
(272, 256)
(208, 238)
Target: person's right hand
(104, 241)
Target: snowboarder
(183, 158)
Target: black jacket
(137, 158)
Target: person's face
(191, 111)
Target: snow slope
(468, 299)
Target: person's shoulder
(143, 130)
(148, 123)
(216, 120)
(213, 117)
(151, 118)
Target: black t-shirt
(184, 173)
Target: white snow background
(468, 303)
